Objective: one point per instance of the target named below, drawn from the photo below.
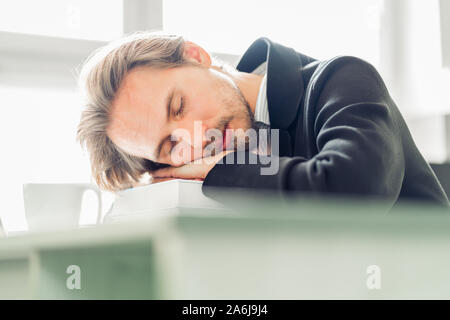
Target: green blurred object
(121, 271)
(264, 247)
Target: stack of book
(168, 197)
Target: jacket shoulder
(344, 83)
(350, 67)
(348, 76)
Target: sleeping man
(160, 105)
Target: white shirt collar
(262, 107)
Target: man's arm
(359, 146)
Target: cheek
(205, 108)
(207, 101)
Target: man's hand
(195, 170)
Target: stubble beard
(240, 109)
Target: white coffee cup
(53, 206)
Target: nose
(195, 136)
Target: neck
(248, 83)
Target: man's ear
(197, 54)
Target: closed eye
(180, 110)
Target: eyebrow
(168, 107)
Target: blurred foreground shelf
(266, 250)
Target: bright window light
(37, 133)
(83, 19)
(320, 28)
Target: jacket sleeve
(358, 144)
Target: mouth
(218, 145)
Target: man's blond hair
(100, 78)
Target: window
(64, 18)
(321, 28)
(37, 133)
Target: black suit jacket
(340, 132)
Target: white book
(160, 198)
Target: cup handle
(99, 196)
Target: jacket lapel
(285, 86)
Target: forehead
(139, 84)
(139, 106)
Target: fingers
(170, 172)
(183, 172)
(195, 170)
